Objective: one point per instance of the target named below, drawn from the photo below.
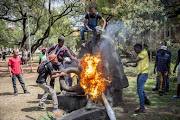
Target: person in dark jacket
(41, 81)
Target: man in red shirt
(16, 70)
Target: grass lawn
(161, 108)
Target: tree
(41, 18)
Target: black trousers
(20, 80)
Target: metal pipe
(109, 110)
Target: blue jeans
(68, 80)
(141, 80)
(167, 82)
(56, 67)
(84, 29)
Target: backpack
(43, 67)
(96, 13)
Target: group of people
(50, 66)
(162, 66)
(3, 56)
(54, 64)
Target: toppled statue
(110, 63)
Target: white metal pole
(29, 40)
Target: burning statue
(110, 64)
(102, 70)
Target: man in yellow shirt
(142, 64)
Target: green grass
(163, 107)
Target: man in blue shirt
(91, 21)
(163, 68)
(164, 43)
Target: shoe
(140, 110)
(26, 92)
(42, 106)
(16, 94)
(160, 94)
(154, 89)
(83, 44)
(175, 97)
(56, 110)
(147, 102)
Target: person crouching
(41, 81)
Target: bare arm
(39, 61)
(85, 24)
(54, 71)
(135, 65)
(58, 75)
(135, 60)
(104, 23)
(21, 69)
(9, 68)
(177, 62)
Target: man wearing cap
(60, 51)
(164, 43)
(163, 68)
(41, 81)
(42, 56)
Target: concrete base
(69, 101)
(83, 114)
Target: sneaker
(147, 101)
(154, 89)
(56, 110)
(16, 94)
(42, 106)
(83, 44)
(140, 110)
(160, 94)
(175, 97)
(26, 92)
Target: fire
(91, 77)
(73, 75)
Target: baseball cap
(163, 47)
(52, 56)
(43, 48)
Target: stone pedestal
(83, 114)
(69, 101)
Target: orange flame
(91, 77)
